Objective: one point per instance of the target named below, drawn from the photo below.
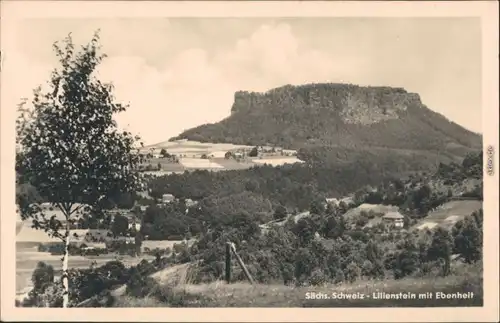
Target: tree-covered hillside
(317, 249)
(337, 115)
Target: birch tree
(71, 149)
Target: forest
(321, 248)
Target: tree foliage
(280, 212)
(119, 226)
(468, 237)
(440, 249)
(71, 149)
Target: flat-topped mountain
(336, 115)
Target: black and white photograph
(236, 160)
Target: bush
(140, 285)
(43, 276)
(254, 152)
(352, 272)
(318, 277)
(280, 213)
(52, 296)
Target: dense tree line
(322, 249)
(313, 251)
(266, 191)
(290, 185)
(418, 187)
(287, 253)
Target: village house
(144, 194)
(190, 202)
(133, 223)
(289, 152)
(266, 149)
(394, 218)
(332, 201)
(167, 198)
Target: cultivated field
(277, 161)
(231, 164)
(198, 163)
(449, 213)
(190, 155)
(194, 146)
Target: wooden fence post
(242, 265)
(228, 262)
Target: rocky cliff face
(354, 104)
(337, 115)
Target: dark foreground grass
(468, 279)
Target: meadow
(448, 214)
(178, 291)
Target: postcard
(249, 161)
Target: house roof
(393, 215)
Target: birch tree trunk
(65, 276)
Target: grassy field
(167, 165)
(464, 279)
(449, 213)
(353, 214)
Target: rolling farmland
(192, 155)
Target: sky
(178, 73)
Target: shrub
(318, 277)
(140, 285)
(352, 272)
(52, 296)
(43, 276)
